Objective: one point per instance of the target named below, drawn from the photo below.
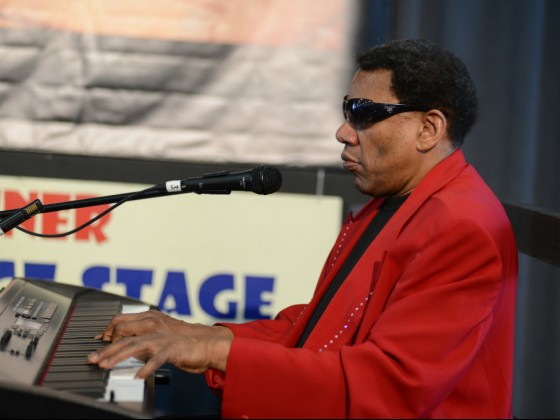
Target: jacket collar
(437, 178)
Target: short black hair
(428, 75)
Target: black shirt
(386, 211)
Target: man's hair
(427, 75)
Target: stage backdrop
(203, 258)
(250, 81)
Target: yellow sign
(204, 258)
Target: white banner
(249, 81)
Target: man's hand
(149, 322)
(157, 338)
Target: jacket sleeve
(263, 330)
(434, 323)
(266, 329)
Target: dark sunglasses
(362, 113)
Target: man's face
(383, 158)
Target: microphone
(260, 180)
(20, 216)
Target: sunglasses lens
(361, 112)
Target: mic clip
(20, 216)
(200, 189)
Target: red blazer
(423, 326)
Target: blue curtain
(511, 49)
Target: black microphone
(20, 216)
(260, 180)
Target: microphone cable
(89, 222)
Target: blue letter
(208, 291)
(7, 269)
(134, 280)
(96, 277)
(254, 286)
(40, 271)
(176, 287)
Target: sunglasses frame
(374, 111)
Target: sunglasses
(362, 113)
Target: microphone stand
(261, 180)
(95, 201)
(157, 190)
(9, 219)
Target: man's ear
(433, 130)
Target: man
(413, 314)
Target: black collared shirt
(386, 211)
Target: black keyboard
(47, 329)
